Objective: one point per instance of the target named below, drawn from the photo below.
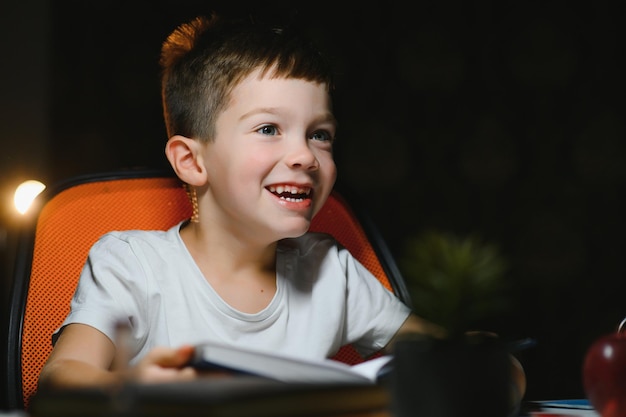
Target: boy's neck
(226, 252)
(244, 276)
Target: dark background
(497, 118)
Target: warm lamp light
(26, 193)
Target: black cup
(459, 377)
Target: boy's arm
(414, 324)
(81, 356)
(84, 356)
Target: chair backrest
(73, 215)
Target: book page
(284, 368)
(371, 368)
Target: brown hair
(204, 59)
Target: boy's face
(270, 167)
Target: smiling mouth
(290, 193)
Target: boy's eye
(322, 136)
(268, 130)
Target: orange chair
(74, 214)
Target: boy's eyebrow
(260, 110)
(327, 117)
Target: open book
(565, 408)
(216, 356)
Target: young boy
(250, 125)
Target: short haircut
(204, 59)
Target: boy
(250, 125)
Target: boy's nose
(302, 157)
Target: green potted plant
(456, 282)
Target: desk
(248, 396)
(241, 396)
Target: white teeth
(279, 189)
(296, 192)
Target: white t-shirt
(148, 280)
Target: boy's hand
(164, 365)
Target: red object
(604, 374)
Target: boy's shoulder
(153, 238)
(141, 233)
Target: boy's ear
(186, 159)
